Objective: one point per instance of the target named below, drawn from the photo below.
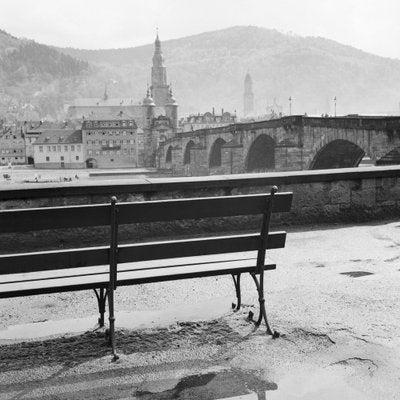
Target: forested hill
(22, 59)
(208, 70)
(34, 74)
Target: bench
(103, 268)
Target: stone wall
(323, 196)
(353, 194)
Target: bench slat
(35, 219)
(75, 258)
(26, 220)
(100, 269)
(130, 276)
(167, 210)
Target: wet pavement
(226, 384)
(334, 297)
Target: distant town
(116, 133)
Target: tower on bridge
(248, 97)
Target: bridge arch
(186, 154)
(261, 154)
(215, 153)
(338, 153)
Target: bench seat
(23, 284)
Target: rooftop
(59, 136)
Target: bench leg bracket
(263, 313)
(236, 281)
(101, 296)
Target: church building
(156, 118)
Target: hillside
(208, 70)
(36, 78)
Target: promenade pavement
(334, 297)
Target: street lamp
(290, 105)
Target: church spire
(105, 96)
(159, 86)
(248, 96)
(157, 42)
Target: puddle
(227, 385)
(356, 274)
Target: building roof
(103, 102)
(209, 117)
(60, 136)
(112, 123)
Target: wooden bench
(103, 268)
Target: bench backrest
(114, 215)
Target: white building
(59, 148)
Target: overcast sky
(370, 25)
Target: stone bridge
(285, 144)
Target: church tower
(248, 97)
(159, 87)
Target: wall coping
(141, 185)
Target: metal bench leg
(112, 323)
(101, 301)
(236, 281)
(263, 314)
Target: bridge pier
(232, 160)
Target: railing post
(113, 272)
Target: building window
(97, 152)
(48, 148)
(77, 158)
(65, 148)
(41, 149)
(47, 158)
(72, 147)
(62, 158)
(58, 148)
(54, 148)
(78, 147)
